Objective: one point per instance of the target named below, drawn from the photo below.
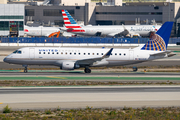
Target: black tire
(135, 69)
(25, 70)
(87, 70)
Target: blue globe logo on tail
(159, 40)
(155, 43)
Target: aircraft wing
(121, 33)
(92, 60)
(125, 32)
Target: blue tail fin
(159, 40)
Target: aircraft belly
(31, 61)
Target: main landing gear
(25, 68)
(135, 69)
(87, 70)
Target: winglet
(124, 27)
(108, 53)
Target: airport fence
(77, 40)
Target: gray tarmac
(97, 97)
(93, 74)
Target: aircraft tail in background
(159, 40)
(70, 23)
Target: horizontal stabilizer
(165, 53)
(161, 53)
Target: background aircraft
(73, 58)
(106, 30)
(45, 31)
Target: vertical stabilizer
(159, 40)
(70, 23)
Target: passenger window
(97, 53)
(84, 53)
(18, 52)
(79, 53)
(119, 53)
(88, 53)
(48, 52)
(61, 52)
(115, 53)
(74, 53)
(57, 53)
(44, 52)
(93, 54)
(70, 53)
(124, 54)
(39, 52)
(101, 53)
(66, 53)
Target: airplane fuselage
(56, 56)
(40, 31)
(142, 30)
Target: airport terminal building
(101, 12)
(12, 20)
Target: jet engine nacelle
(131, 35)
(69, 66)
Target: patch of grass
(9, 83)
(126, 113)
(6, 109)
(48, 111)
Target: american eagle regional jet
(106, 30)
(74, 58)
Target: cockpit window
(18, 52)
(15, 51)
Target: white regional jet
(106, 30)
(73, 58)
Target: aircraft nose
(5, 59)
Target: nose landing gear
(135, 69)
(25, 68)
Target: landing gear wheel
(87, 70)
(135, 69)
(25, 70)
